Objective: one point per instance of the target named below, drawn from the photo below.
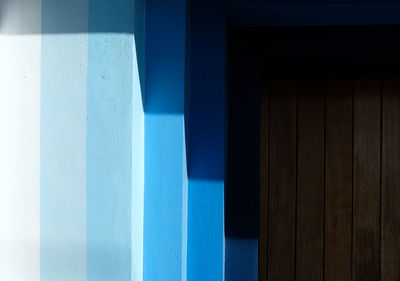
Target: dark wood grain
(338, 181)
(330, 181)
(366, 200)
(264, 172)
(310, 182)
(282, 193)
(391, 181)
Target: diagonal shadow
(57, 17)
(74, 16)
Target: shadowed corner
(11, 21)
(241, 259)
(3, 6)
(1, 14)
(139, 32)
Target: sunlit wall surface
(71, 141)
(63, 131)
(94, 183)
(20, 63)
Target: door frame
(248, 49)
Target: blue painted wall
(206, 241)
(165, 198)
(205, 120)
(241, 259)
(165, 213)
(147, 195)
(133, 134)
(242, 180)
(92, 140)
(165, 56)
(206, 89)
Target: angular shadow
(74, 16)
(55, 17)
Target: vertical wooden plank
(310, 182)
(282, 193)
(391, 181)
(338, 180)
(366, 200)
(264, 172)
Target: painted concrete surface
(20, 17)
(137, 171)
(63, 143)
(109, 156)
(63, 157)
(165, 56)
(20, 157)
(205, 106)
(205, 120)
(241, 259)
(72, 140)
(165, 216)
(108, 183)
(115, 152)
(165, 209)
(206, 242)
(20, 59)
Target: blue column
(206, 230)
(205, 110)
(165, 215)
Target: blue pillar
(205, 110)
(165, 209)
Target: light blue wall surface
(109, 142)
(92, 142)
(115, 192)
(63, 142)
(137, 171)
(121, 199)
(109, 152)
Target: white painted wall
(137, 173)
(20, 58)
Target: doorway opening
(314, 108)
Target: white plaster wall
(137, 173)
(20, 140)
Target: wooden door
(330, 181)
